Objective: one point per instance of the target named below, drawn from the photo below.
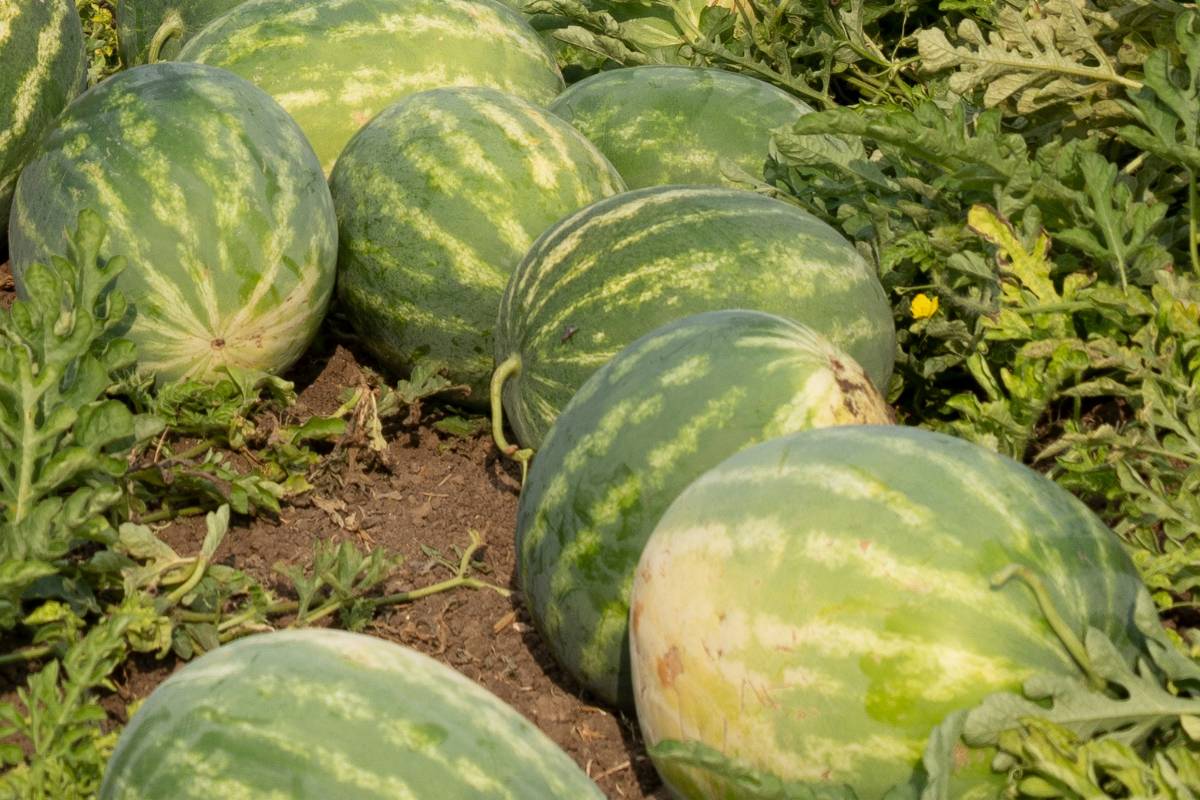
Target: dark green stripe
(667, 408)
(781, 257)
(318, 714)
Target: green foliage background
(1032, 166)
(100, 33)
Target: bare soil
(438, 488)
(8, 292)
(435, 488)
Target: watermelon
(43, 67)
(437, 200)
(215, 198)
(626, 265)
(667, 408)
(335, 64)
(679, 125)
(815, 605)
(156, 30)
(318, 714)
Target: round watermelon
(624, 266)
(335, 64)
(213, 195)
(667, 408)
(815, 605)
(156, 30)
(319, 714)
(679, 125)
(43, 67)
(437, 199)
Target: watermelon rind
(320, 714)
(438, 198)
(815, 605)
(214, 197)
(664, 125)
(43, 67)
(620, 268)
(666, 409)
(335, 64)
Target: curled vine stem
(509, 368)
(171, 27)
(1055, 619)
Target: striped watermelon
(334, 64)
(668, 407)
(320, 714)
(42, 68)
(679, 125)
(155, 30)
(815, 605)
(437, 199)
(214, 196)
(627, 265)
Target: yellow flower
(923, 306)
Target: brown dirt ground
(436, 489)
(7, 290)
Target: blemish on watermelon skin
(670, 666)
(962, 758)
(849, 638)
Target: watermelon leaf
(221, 411)
(1175, 666)
(1166, 111)
(62, 443)
(426, 380)
(462, 427)
(938, 759)
(1062, 732)
(1031, 60)
(59, 712)
(1141, 707)
(101, 39)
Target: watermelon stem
(230, 628)
(171, 27)
(509, 368)
(462, 577)
(218, 525)
(1059, 625)
(27, 654)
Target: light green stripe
(50, 43)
